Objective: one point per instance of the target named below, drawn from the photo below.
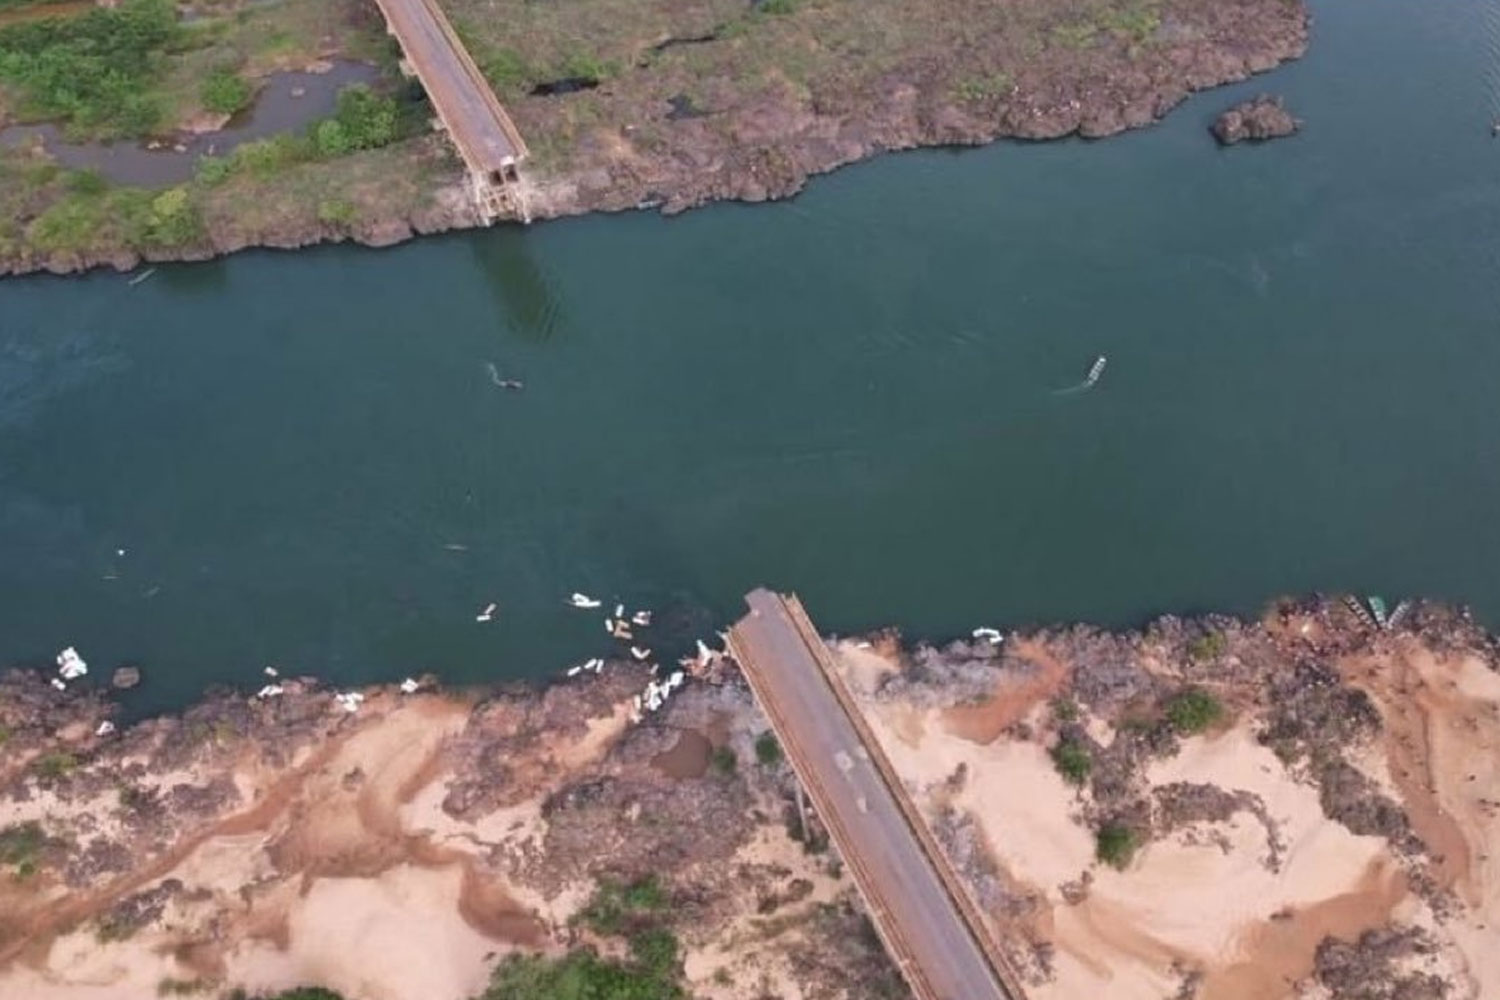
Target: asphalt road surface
(921, 924)
(466, 105)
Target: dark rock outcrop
(1256, 120)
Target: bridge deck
(485, 136)
(925, 919)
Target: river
(303, 459)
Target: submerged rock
(126, 678)
(1256, 120)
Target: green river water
(306, 461)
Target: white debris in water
(583, 601)
(487, 614)
(409, 686)
(271, 672)
(105, 728)
(269, 691)
(70, 664)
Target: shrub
(767, 749)
(21, 843)
(579, 975)
(778, 6)
(1065, 709)
(368, 119)
(505, 69)
(1193, 711)
(1072, 760)
(174, 219)
(615, 906)
(331, 138)
(655, 950)
(226, 92)
(1115, 844)
(723, 760)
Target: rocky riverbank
(1333, 780)
(724, 105)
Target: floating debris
(349, 700)
(105, 728)
(410, 686)
(583, 601)
(488, 614)
(456, 547)
(70, 664)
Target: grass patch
(124, 216)
(95, 71)
(1193, 711)
(1115, 844)
(1073, 761)
(987, 87)
(768, 749)
(580, 975)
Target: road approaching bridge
(928, 923)
(478, 125)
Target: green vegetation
(169, 987)
(1064, 709)
(134, 217)
(777, 7)
(1115, 844)
(1072, 760)
(768, 749)
(300, 993)
(581, 975)
(59, 763)
(226, 92)
(1193, 710)
(988, 87)
(4, 735)
(615, 908)
(21, 846)
(723, 760)
(1208, 646)
(95, 71)
(364, 120)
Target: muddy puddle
(286, 102)
(687, 758)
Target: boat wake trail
(1095, 370)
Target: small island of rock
(1257, 120)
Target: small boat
(105, 728)
(1377, 609)
(487, 614)
(409, 686)
(70, 664)
(271, 672)
(1095, 370)
(575, 671)
(990, 635)
(641, 618)
(619, 611)
(141, 277)
(639, 653)
(583, 601)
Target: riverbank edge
(79, 709)
(558, 197)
